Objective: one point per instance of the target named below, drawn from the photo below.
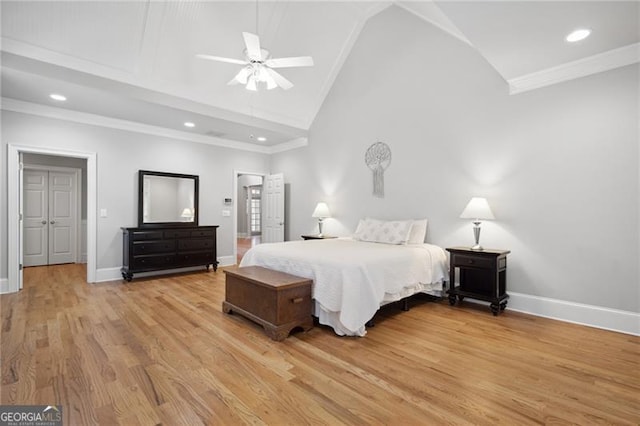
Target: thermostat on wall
(227, 200)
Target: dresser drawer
(177, 233)
(152, 261)
(203, 233)
(197, 244)
(195, 258)
(146, 235)
(472, 261)
(151, 247)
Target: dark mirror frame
(196, 196)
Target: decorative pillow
(379, 231)
(418, 232)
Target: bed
(352, 278)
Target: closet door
(50, 217)
(36, 218)
(62, 217)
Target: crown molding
(601, 62)
(46, 111)
(287, 146)
(14, 105)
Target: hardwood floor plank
(160, 351)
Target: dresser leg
(495, 309)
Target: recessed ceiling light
(577, 35)
(58, 97)
(262, 139)
(189, 124)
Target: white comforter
(352, 279)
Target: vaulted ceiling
(133, 65)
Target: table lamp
(477, 209)
(321, 212)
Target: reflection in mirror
(167, 198)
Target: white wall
(558, 165)
(120, 155)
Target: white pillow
(418, 232)
(379, 231)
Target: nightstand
(483, 276)
(317, 237)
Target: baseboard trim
(227, 261)
(4, 286)
(108, 274)
(577, 313)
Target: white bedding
(352, 279)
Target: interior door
(35, 217)
(50, 217)
(62, 217)
(273, 208)
(20, 242)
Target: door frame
(236, 175)
(14, 188)
(78, 177)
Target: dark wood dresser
(159, 249)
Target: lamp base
(476, 234)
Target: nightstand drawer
(473, 261)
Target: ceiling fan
(258, 67)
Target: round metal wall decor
(378, 158)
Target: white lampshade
(321, 211)
(478, 208)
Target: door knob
(44, 222)
(52, 222)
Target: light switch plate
(103, 212)
(226, 213)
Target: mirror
(167, 199)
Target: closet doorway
(51, 215)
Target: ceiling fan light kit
(258, 66)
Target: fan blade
(221, 59)
(241, 77)
(252, 42)
(300, 61)
(279, 79)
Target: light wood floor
(161, 351)
(245, 243)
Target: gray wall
(120, 155)
(559, 165)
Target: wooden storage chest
(278, 301)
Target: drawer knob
(470, 261)
(296, 300)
